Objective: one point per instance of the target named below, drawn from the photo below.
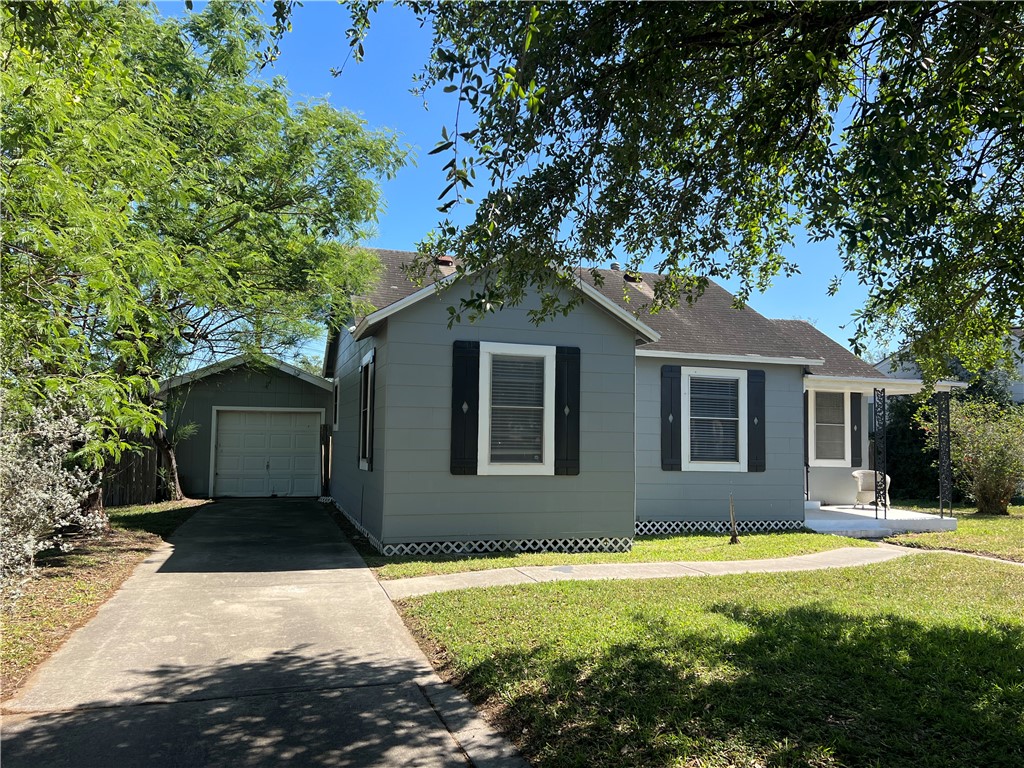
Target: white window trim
(713, 466)
(484, 466)
(812, 424)
(364, 464)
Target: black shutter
(755, 422)
(671, 419)
(567, 411)
(807, 430)
(465, 406)
(856, 456)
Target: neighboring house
(906, 369)
(255, 430)
(583, 430)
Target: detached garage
(244, 430)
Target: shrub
(987, 447)
(41, 489)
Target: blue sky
(378, 89)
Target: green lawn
(646, 549)
(996, 535)
(912, 662)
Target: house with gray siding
(577, 434)
(588, 429)
(491, 435)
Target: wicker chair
(866, 487)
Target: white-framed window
(828, 427)
(517, 402)
(714, 428)
(366, 384)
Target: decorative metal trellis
(881, 419)
(945, 462)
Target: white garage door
(267, 453)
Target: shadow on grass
(801, 687)
(296, 707)
(161, 520)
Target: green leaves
(161, 204)
(704, 137)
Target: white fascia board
(200, 373)
(763, 360)
(891, 386)
(382, 314)
(585, 288)
(616, 311)
(234, 362)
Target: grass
(912, 662)
(999, 536)
(69, 587)
(646, 549)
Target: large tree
(706, 135)
(163, 202)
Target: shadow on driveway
(301, 718)
(260, 536)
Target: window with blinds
(714, 419)
(829, 426)
(517, 409)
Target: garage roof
(238, 360)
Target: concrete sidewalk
(256, 638)
(844, 557)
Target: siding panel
(424, 501)
(775, 494)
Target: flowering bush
(41, 490)
(987, 446)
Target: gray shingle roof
(839, 361)
(712, 325)
(393, 284)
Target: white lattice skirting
(609, 544)
(509, 545)
(660, 527)
(623, 544)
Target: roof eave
(892, 386)
(751, 358)
(368, 324)
(233, 362)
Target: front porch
(861, 523)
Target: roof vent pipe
(615, 266)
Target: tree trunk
(166, 448)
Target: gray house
(590, 428)
(576, 434)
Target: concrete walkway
(836, 558)
(256, 638)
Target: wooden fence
(133, 479)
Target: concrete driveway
(255, 638)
